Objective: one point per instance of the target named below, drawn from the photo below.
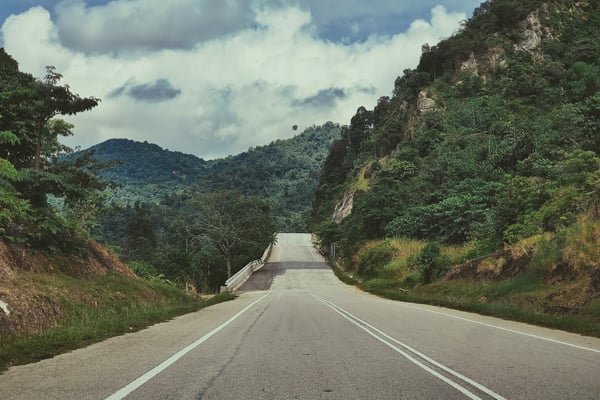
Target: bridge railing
(232, 284)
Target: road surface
(296, 332)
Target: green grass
(516, 299)
(531, 281)
(95, 310)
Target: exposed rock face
(425, 103)
(497, 57)
(344, 207)
(470, 65)
(496, 267)
(533, 33)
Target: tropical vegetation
(491, 143)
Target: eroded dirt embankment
(575, 288)
(29, 304)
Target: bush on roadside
(431, 263)
(372, 260)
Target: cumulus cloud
(349, 21)
(224, 93)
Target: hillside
(54, 302)
(143, 163)
(285, 172)
(33, 307)
(488, 147)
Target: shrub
(372, 260)
(431, 262)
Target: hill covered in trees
(285, 173)
(490, 145)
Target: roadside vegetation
(90, 310)
(548, 280)
(477, 183)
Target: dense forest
(493, 140)
(285, 173)
(194, 239)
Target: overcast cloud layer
(214, 77)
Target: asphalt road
(296, 332)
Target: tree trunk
(228, 267)
(38, 149)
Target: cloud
(148, 24)
(324, 98)
(225, 92)
(349, 21)
(159, 90)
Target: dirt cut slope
(33, 288)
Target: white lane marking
(509, 330)
(357, 321)
(423, 356)
(126, 390)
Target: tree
(11, 206)
(47, 100)
(34, 167)
(236, 224)
(14, 118)
(141, 236)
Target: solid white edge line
(410, 358)
(425, 357)
(126, 390)
(508, 330)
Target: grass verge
(97, 309)
(519, 299)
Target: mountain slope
(146, 163)
(497, 107)
(284, 172)
(490, 145)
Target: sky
(215, 77)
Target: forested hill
(143, 163)
(285, 172)
(492, 141)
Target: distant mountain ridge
(160, 165)
(285, 172)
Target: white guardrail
(232, 284)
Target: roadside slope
(51, 303)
